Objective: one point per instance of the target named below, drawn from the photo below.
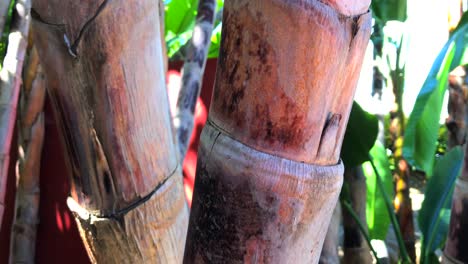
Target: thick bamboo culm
(454, 251)
(31, 136)
(268, 173)
(10, 81)
(106, 79)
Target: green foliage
(434, 216)
(360, 136)
(378, 218)
(389, 205)
(386, 10)
(5, 33)
(179, 22)
(422, 130)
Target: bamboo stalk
(402, 173)
(268, 174)
(458, 96)
(455, 247)
(31, 137)
(192, 74)
(10, 80)
(106, 79)
(356, 249)
(329, 254)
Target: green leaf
(360, 136)
(215, 42)
(463, 21)
(434, 216)
(378, 219)
(180, 16)
(386, 10)
(180, 19)
(421, 133)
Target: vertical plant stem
(402, 202)
(396, 227)
(31, 137)
(455, 248)
(356, 249)
(105, 74)
(329, 252)
(268, 172)
(10, 80)
(361, 227)
(457, 108)
(192, 74)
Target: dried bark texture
(271, 79)
(457, 108)
(192, 74)
(329, 254)
(356, 249)
(267, 176)
(456, 246)
(105, 75)
(10, 80)
(253, 207)
(31, 137)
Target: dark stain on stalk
(222, 225)
(354, 26)
(458, 232)
(107, 182)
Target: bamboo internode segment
(10, 81)
(253, 207)
(106, 79)
(31, 137)
(150, 230)
(268, 174)
(455, 248)
(286, 76)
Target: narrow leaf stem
(348, 207)
(391, 213)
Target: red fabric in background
(58, 240)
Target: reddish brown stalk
(10, 81)
(457, 108)
(268, 173)
(455, 248)
(105, 76)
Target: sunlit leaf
(435, 211)
(386, 10)
(179, 22)
(421, 133)
(377, 216)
